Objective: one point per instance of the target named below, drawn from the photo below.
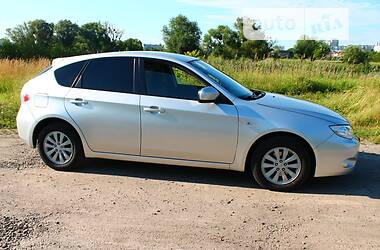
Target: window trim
(78, 80)
(142, 90)
(79, 76)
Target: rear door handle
(78, 101)
(154, 109)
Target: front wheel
(59, 147)
(281, 163)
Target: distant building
(341, 47)
(285, 54)
(336, 54)
(377, 47)
(367, 47)
(157, 47)
(334, 45)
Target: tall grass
(13, 75)
(352, 90)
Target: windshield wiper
(256, 94)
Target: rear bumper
(336, 156)
(25, 122)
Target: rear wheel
(59, 147)
(281, 163)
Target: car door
(175, 125)
(105, 108)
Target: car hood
(303, 107)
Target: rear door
(104, 106)
(175, 125)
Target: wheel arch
(280, 133)
(49, 120)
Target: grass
(13, 75)
(352, 90)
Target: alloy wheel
(281, 165)
(58, 147)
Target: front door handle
(154, 109)
(78, 101)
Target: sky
(144, 19)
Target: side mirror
(207, 94)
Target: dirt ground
(110, 204)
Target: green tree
(354, 55)
(181, 35)
(93, 38)
(66, 36)
(239, 25)
(222, 41)
(130, 44)
(113, 33)
(42, 32)
(311, 49)
(32, 39)
(257, 49)
(8, 49)
(305, 48)
(66, 32)
(23, 40)
(133, 44)
(374, 56)
(158, 47)
(322, 49)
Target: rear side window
(66, 75)
(109, 74)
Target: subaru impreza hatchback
(174, 109)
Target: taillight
(26, 98)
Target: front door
(175, 125)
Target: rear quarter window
(66, 75)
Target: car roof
(147, 54)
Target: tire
(281, 163)
(60, 154)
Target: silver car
(174, 109)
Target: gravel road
(110, 204)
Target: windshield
(223, 80)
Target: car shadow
(363, 181)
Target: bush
(311, 49)
(374, 56)
(355, 55)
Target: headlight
(344, 131)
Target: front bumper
(336, 156)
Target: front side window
(109, 74)
(166, 80)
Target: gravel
(13, 230)
(17, 155)
(116, 205)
